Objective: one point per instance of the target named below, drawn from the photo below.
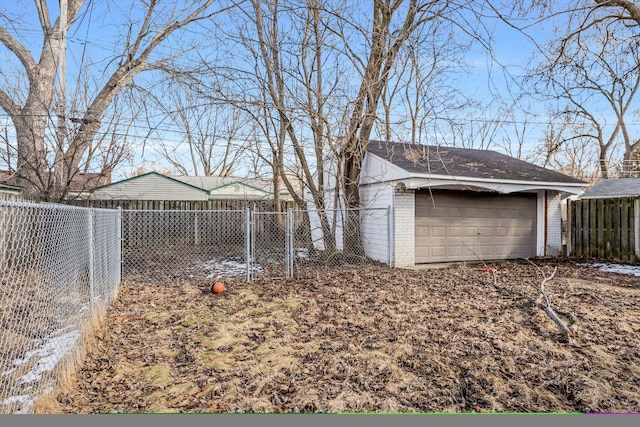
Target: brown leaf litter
(367, 339)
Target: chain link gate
(164, 245)
(269, 246)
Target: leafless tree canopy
(295, 91)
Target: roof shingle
(611, 188)
(463, 162)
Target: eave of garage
(423, 181)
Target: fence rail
(60, 267)
(604, 228)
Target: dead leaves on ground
(371, 339)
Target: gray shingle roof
(609, 188)
(464, 162)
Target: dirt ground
(369, 339)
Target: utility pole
(58, 175)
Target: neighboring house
(455, 204)
(10, 191)
(80, 187)
(82, 184)
(8, 186)
(155, 186)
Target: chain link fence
(161, 245)
(60, 269)
(339, 237)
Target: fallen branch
(543, 302)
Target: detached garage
(456, 204)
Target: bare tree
(32, 114)
(393, 22)
(565, 150)
(591, 64)
(214, 135)
(280, 76)
(598, 77)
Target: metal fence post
(91, 259)
(247, 241)
(389, 237)
(120, 243)
(289, 243)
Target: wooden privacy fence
(605, 228)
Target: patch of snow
(632, 270)
(53, 350)
(26, 403)
(218, 269)
(302, 252)
(51, 355)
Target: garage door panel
(439, 231)
(455, 231)
(460, 226)
(487, 231)
(455, 251)
(454, 212)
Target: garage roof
(464, 162)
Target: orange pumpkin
(217, 288)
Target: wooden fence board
(600, 234)
(576, 214)
(624, 230)
(593, 229)
(604, 228)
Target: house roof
(81, 181)
(152, 173)
(208, 184)
(464, 162)
(611, 188)
(416, 167)
(8, 178)
(212, 183)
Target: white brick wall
(554, 224)
(404, 228)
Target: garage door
(452, 225)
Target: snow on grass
(48, 356)
(51, 353)
(218, 269)
(632, 270)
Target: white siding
(149, 187)
(376, 170)
(376, 200)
